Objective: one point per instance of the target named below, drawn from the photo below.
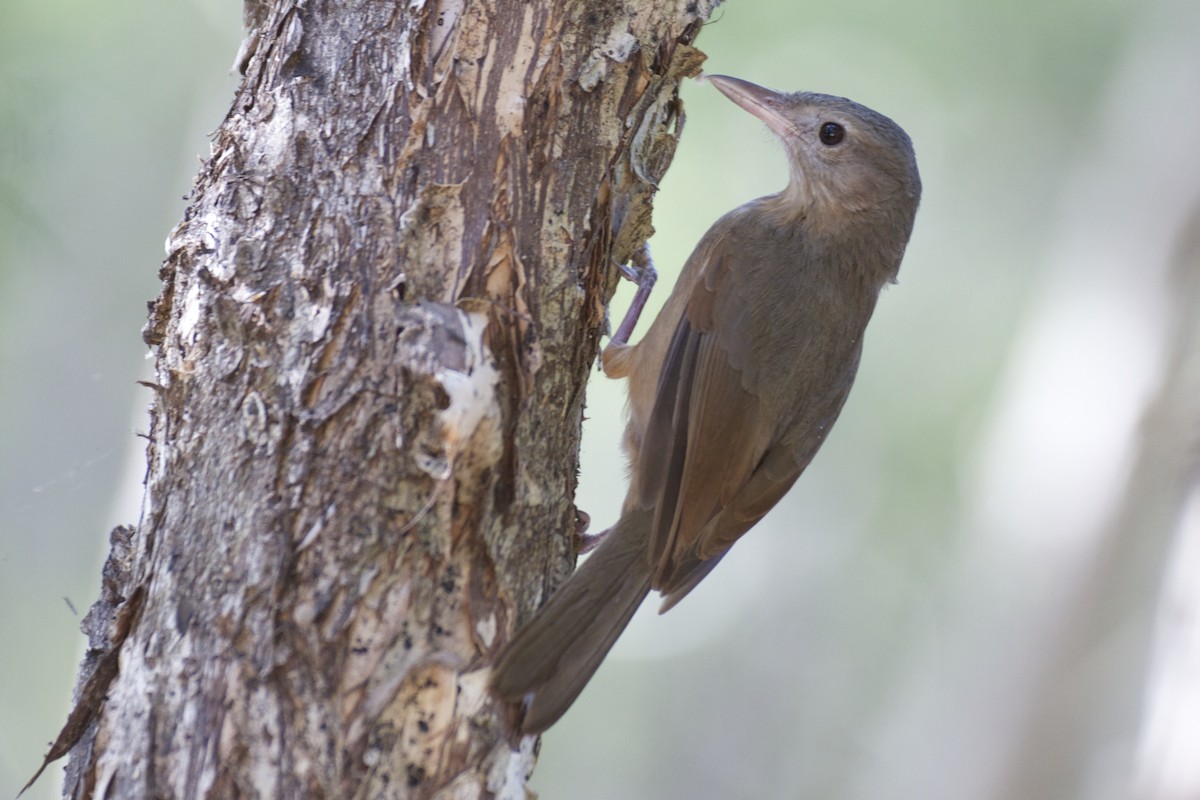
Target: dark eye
(831, 133)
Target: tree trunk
(377, 320)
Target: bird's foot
(641, 271)
(586, 542)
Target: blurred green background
(886, 631)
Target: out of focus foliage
(104, 109)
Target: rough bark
(377, 319)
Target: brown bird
(737, 382)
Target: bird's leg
(641, 271)
(614, 359)
(586, 542)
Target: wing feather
(705, 439)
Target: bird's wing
(707, 466)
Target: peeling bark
(377, 320)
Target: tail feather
(551, 659)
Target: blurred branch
(1168, 768)
(1091, 686)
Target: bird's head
(844, 158)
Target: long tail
(551, 659)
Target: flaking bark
(377, 319)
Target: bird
(735, 385)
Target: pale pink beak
(763, 103)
